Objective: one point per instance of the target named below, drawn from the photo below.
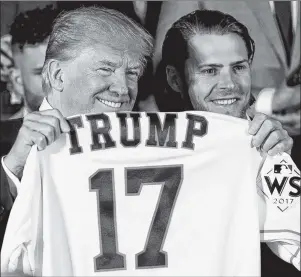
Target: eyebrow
(108, 63)
(239, 62)
(221, 65)
(135, 66)
(116, 65)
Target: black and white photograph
(150, 138)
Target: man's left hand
(269, 136)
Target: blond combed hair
(78, 29)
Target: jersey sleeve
(278, 186)
(20, 243)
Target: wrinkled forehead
(115, 55)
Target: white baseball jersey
(146, 194)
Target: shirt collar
(45, 105)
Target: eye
(209, 71)
(239, 68)
(105, 70)
(133, 73)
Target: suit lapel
(296, 43)
(262, 12)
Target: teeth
(225, 102)
(110, 104)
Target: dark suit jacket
(8, 131)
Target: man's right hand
(40, 128)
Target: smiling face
(218, 74)
(100, 79)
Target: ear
(174, 79)
(17, 81)
(55, 75)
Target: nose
(226, 80)
(119, 84)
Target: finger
(48, 120)
(256, 123)
(52, 118)
(47, 130)
(282, 146)
(40, 140)
(34, 137)
(64, 126)
(265, 129)
(273, 139)
(251, 112)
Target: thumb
(251, 112)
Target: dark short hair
(175, 52)
(32, 27)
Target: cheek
(86, 86)
(200, 88)
(33, 83)
(132, 86)
(38, 82)
(244, 81)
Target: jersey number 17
(102, 182)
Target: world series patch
(281, 181)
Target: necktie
(283, 15)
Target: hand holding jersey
(40, 128)
(269, 136)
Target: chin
(235, 114)
(126, 108)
